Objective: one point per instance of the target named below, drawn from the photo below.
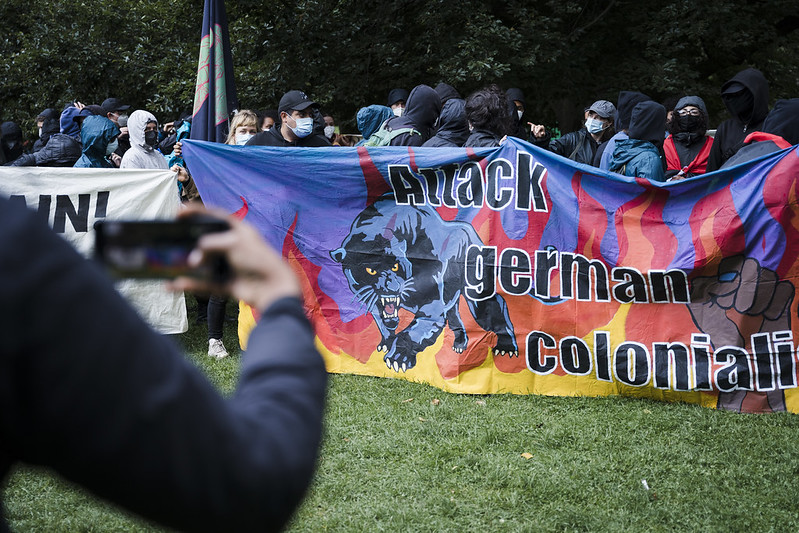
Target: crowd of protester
(636, 136)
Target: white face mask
(520, 113)
(398, 111)
(40, 132)
(112, 147)
(594, 126)
(242, 139)
(304, 127)
(329, 131)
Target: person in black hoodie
(48, 113)
(421, 113)
(639, 155)
(397, 98)
(746, 98)
(780, 130)
(624, 111)
(489, 117)
(687, 147)
(452, 127)
(11, 137)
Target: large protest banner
(73, 199)
(512, 269)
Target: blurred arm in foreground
(87, 388)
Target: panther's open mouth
(389, 306)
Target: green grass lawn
(400, 456)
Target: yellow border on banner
(487, 379)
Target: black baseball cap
(295, 100)
(113, 104)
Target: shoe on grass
(216, 348)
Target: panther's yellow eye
(395, 267)
(371, 271)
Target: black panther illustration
(408, 257)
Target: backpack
(383, 136)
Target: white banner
(73, 199)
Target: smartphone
(158, 249)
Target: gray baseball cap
(604, 109)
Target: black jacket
(782, 121)
(60, 151)
(274, 137)
(453, 129)
(481, 139)
(745, 119)
(578, 146)
(421, 112)
(89, 390)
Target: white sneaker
(216, 349)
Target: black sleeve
(25, 160)
(89, 389)
(563, 145)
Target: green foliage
(348, 53)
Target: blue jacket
(633, 157)
(95, 134)
(370, 118)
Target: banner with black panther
(514, 270)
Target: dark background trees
(563, 53)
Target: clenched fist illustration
(742, 299)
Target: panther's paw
(397, 361)
(503, 349)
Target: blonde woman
(243, 126)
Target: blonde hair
(245, 117)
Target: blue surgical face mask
(594, 126)
(304, 127)
(242, 139)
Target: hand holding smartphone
(160, 249)
(201, 251)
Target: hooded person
(11, 140)
(421, 113)
(143, 132)
(581, 145)
(47, 114)
(370, 118)
(746, 97)
(453, 128)
(624, 110)
(780, 131)
(397, 98)
(50, 127)
(639, 155)
(687, 147)
(447, 92)
(69, 126)
(99, 141)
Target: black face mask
(741, 105)
(151, 138)
(689, 123)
